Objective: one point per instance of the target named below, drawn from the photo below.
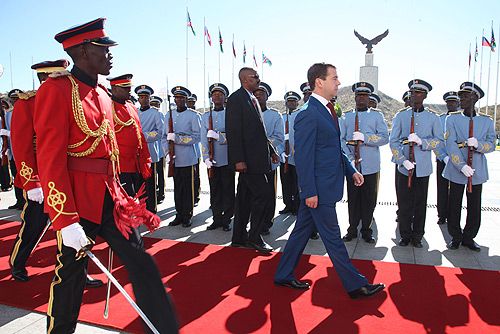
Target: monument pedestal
(369, 73)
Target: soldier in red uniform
(79, 176)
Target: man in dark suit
(251, 153)
(321, 168)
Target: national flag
(207, 34)
(476, 53)
(492, 41)
(254, 59)
(189, 23)
(266, 60)
(485, 42)
(234, 50)
(220, 42)
(244, 53)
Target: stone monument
(369, 73)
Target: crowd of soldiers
(148, 141)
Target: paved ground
(14, 320)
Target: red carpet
(227, 290)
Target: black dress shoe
(453, 245)
(175, 222)
(213, 226)
(187, 223)
(93, 283)
(294, 284)
(441, 221)
(369, 240)
(17, 206)
(262, 248)
(404, 242)
(348, 237)
(285, 210)
(20, 275)
(160, 200)
(417, 244)
(367, 290)
(472, 246)
(238, 245)
(226, 228)
(314, 236)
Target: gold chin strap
(105, 129)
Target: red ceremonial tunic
(23, 138)
(134, 153)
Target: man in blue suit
(321, 168)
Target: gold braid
(127, 123)
(104, 130)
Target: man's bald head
(249, 78)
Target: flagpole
(204, 68)
(496, 89)
(488, 85)
(219, 51)
(232, 72)
(481, 69)
(186, 49)
(468, 70)
(32, 74)
(262, 52)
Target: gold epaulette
(59, 74)
(27, 95)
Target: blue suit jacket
(321, 164)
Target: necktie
(333, 113)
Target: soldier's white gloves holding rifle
(408, 164)
(356, 135)
(212, 134)
(468, 170)
(472, 141)
(415, 139)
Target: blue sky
(427, 40)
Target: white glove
(209, 163)
(4, 132)
(287, 136)
(284, 156)
(35, 195)
(356, 135)
(446, 159)
(167, 158)
(415, 139)
(408, 164)
(7, 152)
(74, 236)
(171, 136)
(467, 170)
(472, 141)
(212, 134)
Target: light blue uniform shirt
(428, 128)
(457, 132)
(187, 127)
(275, 131)
(373, 126)
(152, 123)
(441, 151)
(8, 121)
(220, 145)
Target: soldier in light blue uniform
(186, 135)
(427, 136)
(288, 173)
(442, 184)
(371, 134)
(155, 102)
(221, 175)
(459, 169)
(5, 181)
(152, 123)
(374, 101)
(191, 104)
(275, 130)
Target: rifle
(470, 150)
(287, 142)
(412, 149)
(357, 157)
(171, 143)
(210, 142)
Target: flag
(244, 53)
(254, 59)
(189, 23)
(266, 60)
(234, 50)
(493, 44)
(207, 34)
(485, 42)
(476, 53)
(220, 42)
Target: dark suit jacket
(321, 165)
(246, 137)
